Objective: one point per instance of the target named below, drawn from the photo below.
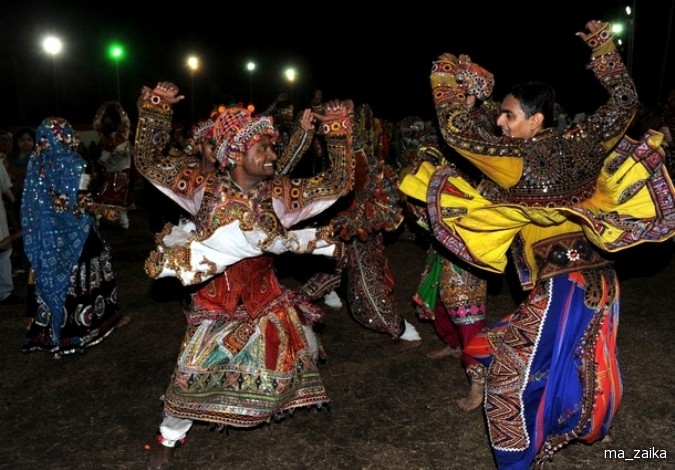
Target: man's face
(258, 161)
(513, 121)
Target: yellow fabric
(488, 230)
(443, 80)
(415, 185)
(611, 186)
(506, 171)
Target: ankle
(172, 444)
(477, 374)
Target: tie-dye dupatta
(54, 227)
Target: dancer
(451, 293)
(72, 289)
(113, 153)
(248, 356)
(365, 215)
(562, 202)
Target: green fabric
(427, 291)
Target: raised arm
(175, 174)
(298, 143)
(612, 119)
(153, 131)
(457, 84)
(299, 199)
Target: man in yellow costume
(562, 203)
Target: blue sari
(75, 300)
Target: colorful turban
(235, 130)
(203, 131)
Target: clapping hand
(335, 109)
(307, 119)
(448, 57)
(593, 27)
(167, 91)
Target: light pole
(193, 65)
(250, 66)
(630, 12)
(116, 52)
(53, 46)
(291, 75)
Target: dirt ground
(389, 410)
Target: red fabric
(444, 327)
(272, 343)
(251, 282)
(456, 335)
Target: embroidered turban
(235, 130)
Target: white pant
(174, 429)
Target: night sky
(382, 57)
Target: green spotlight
(116, 51)
(617, 28)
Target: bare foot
(475, 398)
(445, 351)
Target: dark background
(376, 54)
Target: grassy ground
(389, 410)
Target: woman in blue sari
(73, 295)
